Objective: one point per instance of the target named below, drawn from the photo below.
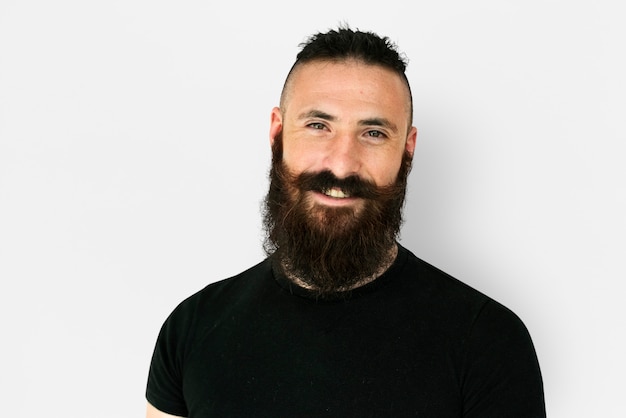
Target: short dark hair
(345, 43)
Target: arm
(152, 412)
(164, 394)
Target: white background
(134, 152)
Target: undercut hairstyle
(344, 44)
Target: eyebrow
(317, 114)
(383, 122)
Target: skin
(152, 412)
(347, 117)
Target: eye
(316, 125)
(375, 134)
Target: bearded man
(340, 320)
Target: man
(340, 320)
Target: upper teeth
(336, 193)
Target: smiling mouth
(336, 193)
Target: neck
(304, 283)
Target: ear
(276, 124)
(411, 139)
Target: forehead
(348, 81)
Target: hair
(345, 44)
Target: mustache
(353, 185)
(325, 180)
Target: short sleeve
(501, 375)
(165, 379)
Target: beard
(331, 249)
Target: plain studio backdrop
(134, 154)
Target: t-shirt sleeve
(501, 376)
(165, 379)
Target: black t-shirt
(414, 342)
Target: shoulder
(223, 292)
(434, 286)
(448, 297)
(199, 313)
(485, 318)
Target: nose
(343, 156)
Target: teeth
(337, 193)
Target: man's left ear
(411, 139)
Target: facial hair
(331, 249)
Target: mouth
(335, 197)
(336, 193)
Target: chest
(323, 360)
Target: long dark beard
(331, 249)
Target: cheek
(385, 171)
(299, 159)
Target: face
(349, 118)
(340, 163)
